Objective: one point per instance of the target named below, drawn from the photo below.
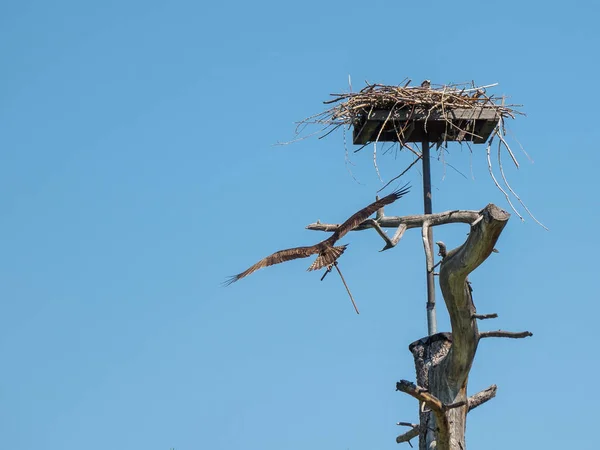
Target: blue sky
(138, 170)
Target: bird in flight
(326, 251)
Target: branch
(428, 253)
(436, 406)
(403, 223)
(482, 397)
(406, 437)
(420, 394)
(389, 243)
(335, 264)
(380, 231)
(505, 334)
(414, 221)
(484, 316)
(396, 238)
(407, 424)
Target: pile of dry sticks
(425, 102)
(352, 107)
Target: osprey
(328, 253)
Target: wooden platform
(479, 122)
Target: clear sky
(137, 171)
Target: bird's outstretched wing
(362, 215)
(275, 258)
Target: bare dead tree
(443, 360)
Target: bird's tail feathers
(328, 257)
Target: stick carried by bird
(329, 269)
(326, 251)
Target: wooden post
(431, 319)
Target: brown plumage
(328, 254)
(289, 254)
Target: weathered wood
(485, 316)
(404, 223)
(505, 334)
(459, 114)
(443, 361)
(481, 397)
(411, 434)
(412, 221)
(415, 126)
(428, 352)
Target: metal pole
(431, 320)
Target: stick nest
(429, 102)
(353, 107)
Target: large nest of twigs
(406, 104)
(439, 114)
(426, 97)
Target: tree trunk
(443, 361)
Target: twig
(520, 145)
(328, 133)
(496, 181)
(346, 286)
(347, 159)
(415, 152)
(513, 192)
(377, 140)
(407, 424)
(505, 334)
(502, 132)
(361, 147)
(480, 87)
(484, 316)
(456, 170)
(375, 161)
(402, 173)
(298, 139)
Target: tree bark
(443, 361)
